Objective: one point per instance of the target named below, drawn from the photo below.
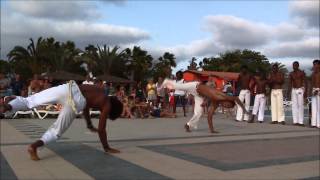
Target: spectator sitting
(141, 108)
(46, 84)
(140, 93)
(4, 85)
(159, 113)
(126, 112)
(35, 85)
(133, 92)
(120, 93)
(111, 89)
(17, 85)
(131, 103)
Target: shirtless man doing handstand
(74, 99)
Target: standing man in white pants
(276, 80)
(200, 91)
(260, 83)
(296, 84)
(315, 82)
(179, 95)
(74, 99)
(244, 95)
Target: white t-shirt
(179, 92)
(88, 82)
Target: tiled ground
(232, 155)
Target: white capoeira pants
(315, 109)
(190, 87)
(297, 105)
(277, 111)
(259, 106)
(244, 96)
(72, 102)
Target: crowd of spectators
(139, 100)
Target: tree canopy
(49, 55)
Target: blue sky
(176, 22)
(285, 31)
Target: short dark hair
(316, 61)
(179, 73)
(116, 108)
(296, 62)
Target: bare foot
(111, 150)
(93, 129)
(33, 153)
(186, 126)
(214, 131)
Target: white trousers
(65, 119)
(244, 96)
(277, 111)
(297, 105)
(315, 105)
(190, 87)
(197, 113)
(259, 106)
(59, 94)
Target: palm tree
(89, 56)
(66, 55)
(193, 64)
(30, 57)
(164, 67)
(110, 61)
(282, 67)
(139, 62)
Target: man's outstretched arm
(103, 133)
(87, 117)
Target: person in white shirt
(160, 92)
(200, 91)
(88, 81)
(179, 95)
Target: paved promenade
(161, 149)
